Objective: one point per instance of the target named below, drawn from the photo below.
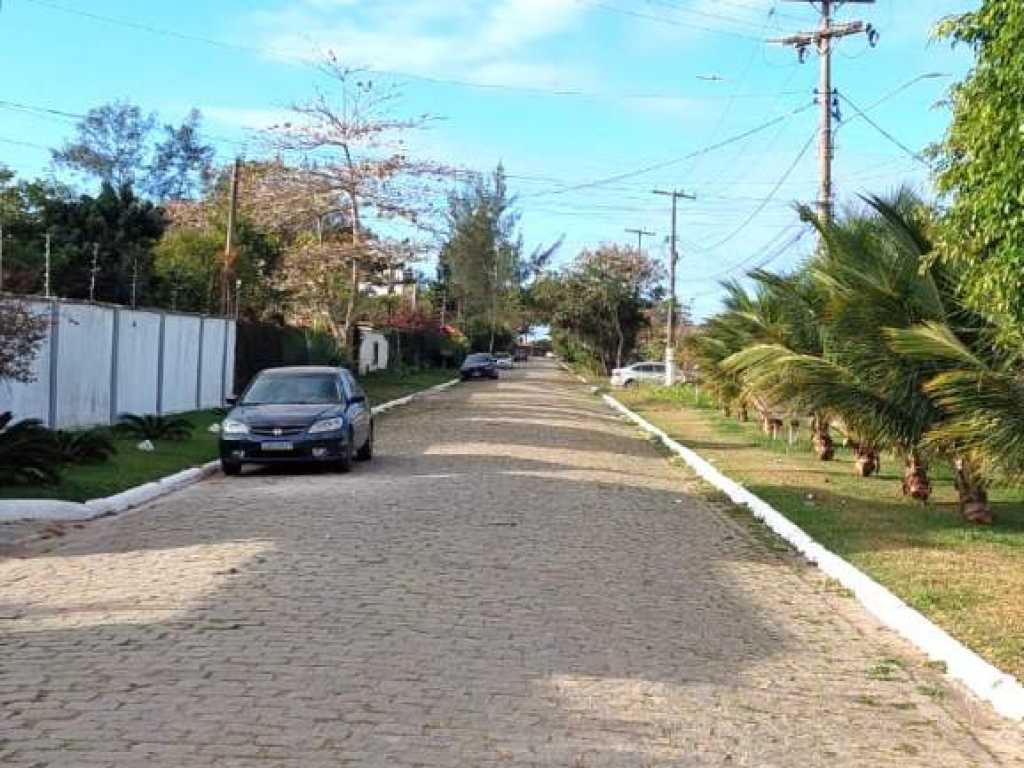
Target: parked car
(522, 355)
(504, 360)
(478, 366)
(301, 414)
(640, 373)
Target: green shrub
(87, 446)
(28, 452)
(154, 427)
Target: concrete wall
(180, 364)
(100, 361)
(31, 401)
(84, 341)
(211, 372)
(138, 362)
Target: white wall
(85, 346)
(100, 374)
(31, 401)
(138, 361)
(229, 362)
(180, 364)
(210, 383)
(366, 361)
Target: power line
(665, 20)
(398, 74)
(773, 252)
(674, 161)
(860, 113)
(757, 211)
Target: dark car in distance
(479, 365)
(296, 415)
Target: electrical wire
(771, 195)
(664, 19)
(674, 161)
(306, 61)
(860, 113)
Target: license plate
(279, 446)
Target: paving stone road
(517, 580)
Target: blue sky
(650, 81)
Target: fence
(99, 361)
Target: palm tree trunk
(916, 484)
(866, 460)
(822, 438)
(972, 490)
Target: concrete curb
(68, 511)
(1004, 692)
(384, 407)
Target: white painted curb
(69, 511)
(1004, 692)
(383, 407)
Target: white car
(641, 373)
(504, 360)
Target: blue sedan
(300, 414)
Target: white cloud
(479, 40)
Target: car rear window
(478, 359)
(293, 389)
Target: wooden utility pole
(670, 341)
(821, 39)
(229, 260)
(640, 234)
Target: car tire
(230, 468)
(366, 452)
(631, 384)
(344, 464)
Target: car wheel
(631, 384)
(344, 464)
(366, 452)
(231, 468)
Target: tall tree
(110, 145)
(481, 261)
(116, 226)
(600, 303)
(21, 333)
(181, 162)
(981, 161)
(355, 151)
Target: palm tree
(978, 386)
(867, 277)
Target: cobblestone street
(518, 579)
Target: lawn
(130, 467)
(968, 579)
(390, 385)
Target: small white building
(373, 350)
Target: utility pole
(229, 262)
(673, 256)
(94, 270)
(640, 234)
(46, 278)
(821, 39)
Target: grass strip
(966, 578)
